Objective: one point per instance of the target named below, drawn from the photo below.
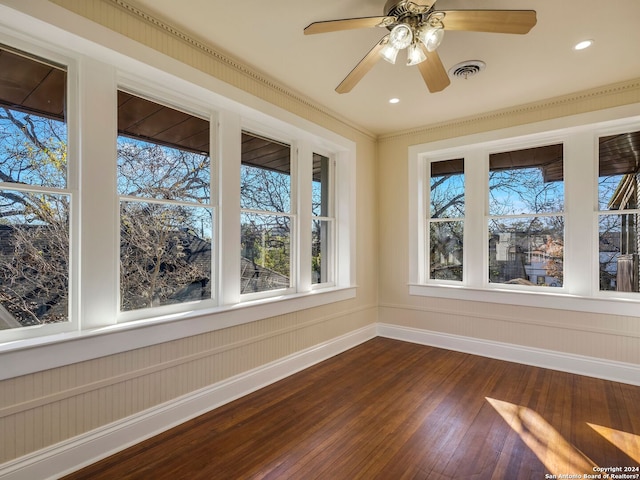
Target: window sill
(527, 298)
(35, 354)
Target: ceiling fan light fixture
(431, 36)
(389, 53)
(415, 54)
(401, 36)
(417, 26)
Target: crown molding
(237, 66)
(598, 98)
(607, 96)
(211, 61)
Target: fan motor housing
(399, 8)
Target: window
(166, 214)
(36, 201)
(266, 224)
(618, 181)
(550, 217)
(526, 225)
(446, 220)
(125, 190)
(323, 222)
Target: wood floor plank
(394, 410)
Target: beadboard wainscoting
(89, 447)
(76, 452)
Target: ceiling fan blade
(433, 72)
(360, 70)
(349, 24)
(493, 21)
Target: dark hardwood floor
(392, 410)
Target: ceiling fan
(419, 28)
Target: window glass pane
(618, 191)
(617, 268)
(321, 233)
(526, 251)
(33, 149)
(320, 240)
(165, 254)
(162, 152)
(618, 167)
(447, 189)
(320, 186)
(265, 186)
(165, 245)
(265, 180)
(34, 226)
(33, 132)
(446, 201)
(526, 181)
(445, 239)
(34, 259)
(156, 171)
(266, 252)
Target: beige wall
(41, 409)
(595, 335)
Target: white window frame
(424, 234)
(579, 134)
(330, 218)
(604, 132)
(186, 105)
(71, 190)
(95, 73)
(515, 145)
(292, 214)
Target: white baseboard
(565, 362)
(73, 454)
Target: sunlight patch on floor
(627, 442)
(551, 448)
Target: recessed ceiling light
(394, 100)
(582, 45)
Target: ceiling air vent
(467, 69)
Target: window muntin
(526, 221)
(322, 221)
(35, 203)
(266, 215)
(166, 215)
(445, 228)
(618, 232)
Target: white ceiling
(520, 68)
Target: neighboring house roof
(255, 278)
(7, 320)
(43, 300)
(626, 194)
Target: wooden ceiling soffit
(150, 121)
(265, 153)
(32, 85)
(619, 154)
(547, 158)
